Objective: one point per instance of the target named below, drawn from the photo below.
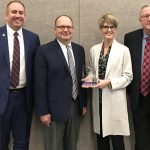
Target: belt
(17, 90)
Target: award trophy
(89, 77)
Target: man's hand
(46, 119)
(84, 111)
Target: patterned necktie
(73, 73)
(145, 81)
(14, 81)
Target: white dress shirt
(10, 33)
(64, 49)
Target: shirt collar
(63, 45)
(11, 32)
(145, 35)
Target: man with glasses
(60, 100)
(139, 44)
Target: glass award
(89, 77)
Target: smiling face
(15, 15)
(64, 29)
(108, 24)
(108, 31)
(145, 19)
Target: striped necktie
(73, 73)
(14, 81)
(145, 80)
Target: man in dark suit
(137, 41)
(60, 100)
(16, 45)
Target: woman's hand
(102, 84)
(87, 81)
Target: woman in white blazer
(112, 63)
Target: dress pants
(15, 121)
(0, 132)
(141, 119)
(64, 136)
(103, 143)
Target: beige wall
(85, 13)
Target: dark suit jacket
(31, 42)
(133, 41)
(53, 82)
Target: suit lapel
(26, 46)
(76, 57)
(58, 50)
(4, 43)
(111, 57)
(138, 44)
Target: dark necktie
(14, 82)
(73, 73)
(145, 80)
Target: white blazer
(114, 101)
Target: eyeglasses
(112, 28)
(145, 16)
(63, 27)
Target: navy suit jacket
(133, 41)
(53, 82)
(31, 42)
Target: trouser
(15, 121)
(103, 143)
(141, 118)
(64, 136)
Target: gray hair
(144, 6)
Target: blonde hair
(109, 18)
